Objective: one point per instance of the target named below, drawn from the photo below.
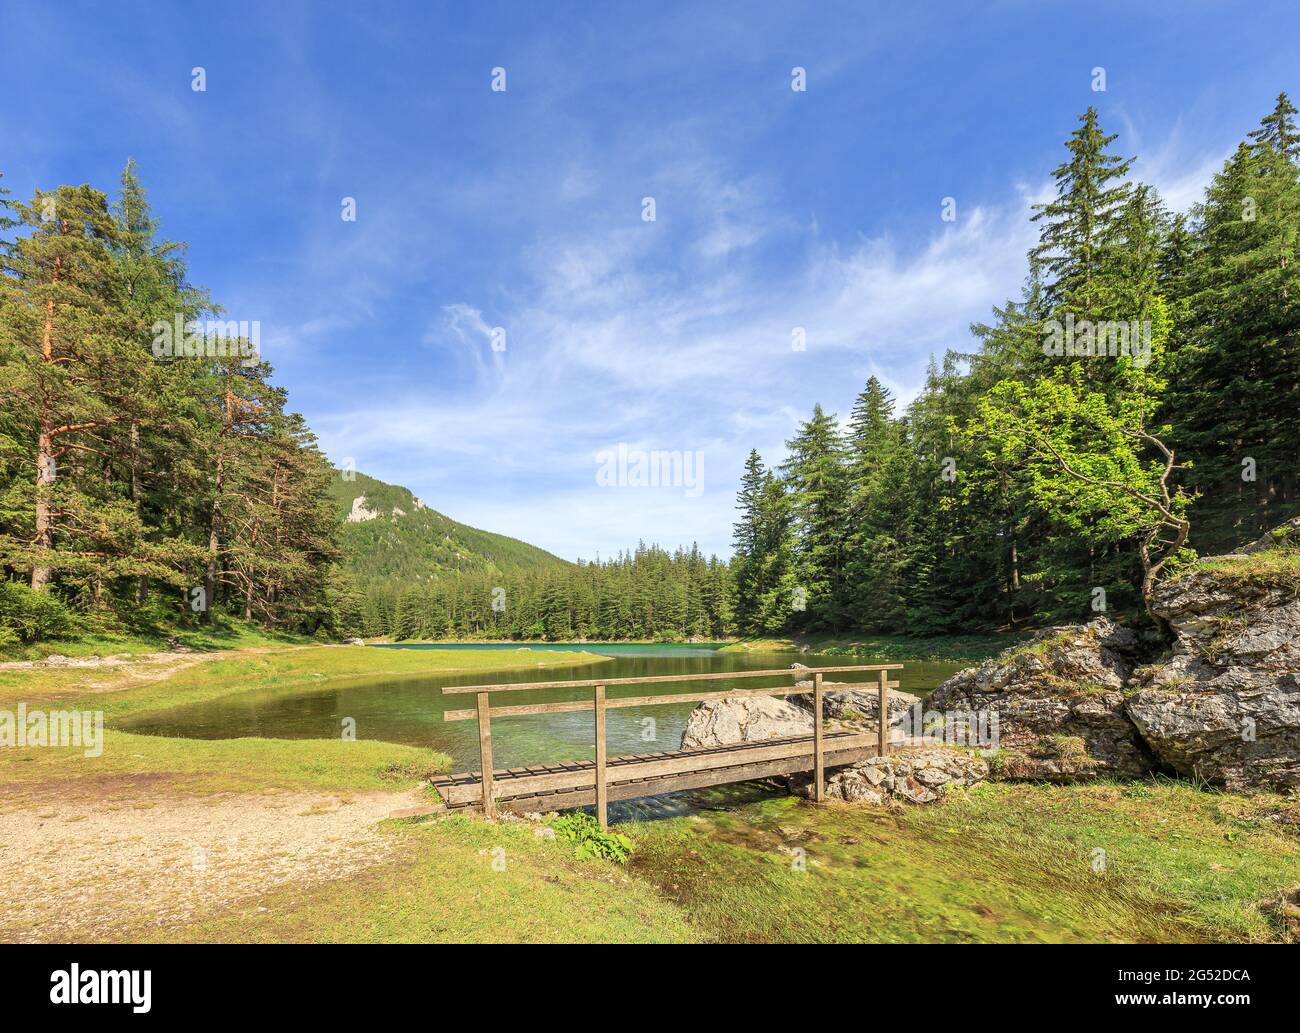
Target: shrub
(582, 829)
(27, 616)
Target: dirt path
(93, 871)
(131, 670)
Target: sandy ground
(86, 870)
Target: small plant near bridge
(581, 829)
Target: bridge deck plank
(558, 786)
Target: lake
(409, 710)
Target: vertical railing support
(602, 796)
(819, 771)
(485, 752)
(882, 737)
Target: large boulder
(842, 702)
(1059, 701)
(1226, 705)
(743, 719)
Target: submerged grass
(1001, 862)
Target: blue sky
(522, 209)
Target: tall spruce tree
(1235, 394)
(1077, 236)
(816, 479)
(746, 536)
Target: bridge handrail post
(485, 752)
(882, 736)
(602, 794)
(819, 784)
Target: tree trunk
(45, 474)
(45, 465)
(141, 582)
(214, 540)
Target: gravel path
(81, 870)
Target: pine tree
(7, 219)
(1077, 237)
(872, 435)
(815, 476)
(121, 470)
(1235, 396)
(870, 593)
(779, 594)
(1277, 130)
(74, 374)
(746, 535)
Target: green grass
(884, 647)
(1002, 863)
(444, 887)
(133, 763)
(1043, 645)
(1271, 568)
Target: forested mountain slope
(388, 534)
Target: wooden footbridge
(582, 783)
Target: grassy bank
(524, 643)
(133, 765)
(974, 648)
(1271, 568)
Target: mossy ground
(222, 633)
(998, 863)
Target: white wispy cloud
(610, 343)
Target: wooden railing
(484, 712)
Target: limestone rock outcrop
(1225, 706)
(1059, 701)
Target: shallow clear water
(410, 710)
